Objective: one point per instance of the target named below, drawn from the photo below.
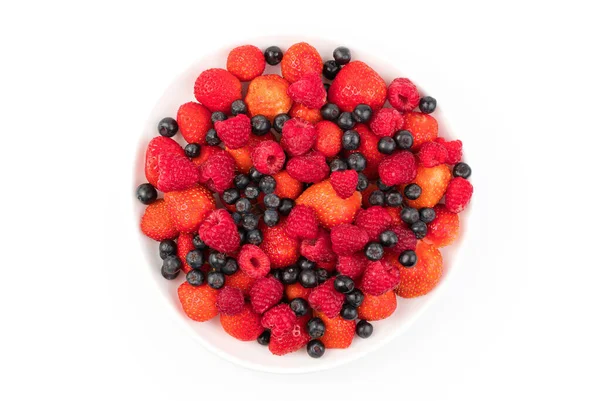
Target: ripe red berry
(403, 94)
(458, 194)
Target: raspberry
(293, 340)
(454, 149)
(265, 293)
(157, 223)
(216, 89)
(355, 84)
(218, 172)
(311, 167)
(230, 301)
(190, 207)
(243, 155)
(157, 147)
(347, 239)
(407, 241)
(194, 121)
(318, 249)
(176, 173)
(458, 194)
(240, 280)
(374, 221)
(344, 183)
(380, 277)
(245, 326)
(206, 152)
(422, 277)
(287, 187)
(399, 168)
(443, 230)
(299, 60)
(185, 243)
(423, 128)
(309, 91)
(377, 307)
(329, 138)
(268, 157)
(199, 303)
(296, 290)
(302, 223)
(280, 319)
(386, 121)
(298, 110)
(403, 94)
(298, 136)
(267, 96)
(432, 154)
(253, 261)
(352, 266)
(326, 299)
(246, 62)
(235, 131)
(219, 232)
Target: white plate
(210, 334)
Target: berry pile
(300, 209)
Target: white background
(79, 319)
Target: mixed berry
(301, 207)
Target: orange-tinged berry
(444, 229)
(245, 326)
(377, 307)
(157, 223)
(296, 291)
(329, 138)
(422, 277)
(331, 210)
(246, 62)
(423, 127)
(339, 332)
(267, 95)
(190, 207)
(199, 303)
(433, 182)
(299, 60)
(311, 115)
(287, 186)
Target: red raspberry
(235, 131)
(219, 232)
(246, 62)
(347, 239)
(327, 265)
(458, 194)
(157, 147)
(218, 172)
(299, 60)
(329, 138)
(298, 136)
(386, 121)
(352, 266)
(403, 94)
(268, 157)
(302, 223)
(374, 221)
(293, 340)
(399, 168)
(407, 241)
(344, 183)
(311, 167)
(280, 319)
(217, 89)
(432, 154)
(176, 173)
(230, 301)
(318, 249)
(244, 326)
(309, 91)
(265, 293)
(194, 121)
(380, 277)
(326, 299)
(253, 261)
(454, 149)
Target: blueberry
(374, 251)
(192, 150)
(419, 228)
(377, 198)
(241, 181)
(342, 55)
(273, 55)
(212, 138)
(217, 260)
(461, 170)
(393, 198)
(427, 214)
(322, 275)
(243, 205)
(195, 277)
(408, 258)
(272, 201)
(279, 120)
(277, 274)
(412, 191)
(362, 113)
(364, 329)
(348, 312)
(195, 258)
(267, 184)
(254, 237)
(146, 193)
(171, 266)
(229, 267)
(409, 215)
(330, 112)
(330, 69)
(167, 274)
(404, 139)
(386, 145)
(237, 218)
(388, 238)
(338, 165)
(350, 140)
(299, 306)
(382, 186)
(260, 125)
(304, 263)
(250, 221)
(215, 279)
(345, 121)
(231, 195)
(315, 327)
(167, 248)
(251, 191)
(264, 338)
(198, 243)
(218, 116)
(286, 206)
(254, 174)
(355, 297)
(357, 162)
(289, 275)
(343, 284)
(271, 217)
(315, 348)
(242, 234)
(308, 278)
(167, 127)
(239, 107)
(363, 182)
(427, 104)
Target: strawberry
(189, 208)
(298, 110)
(368, 148)
(443, 230)
(293, 340)
(424, 276)
(240, 280)
(244, 326)
(433, 182)
(158, 146)
(357, 83)
(331, 210)
(329, 138)
(344, 183)
(458, 194)
(205, 153)
(287, 186)
(246, 62)
(267, 96)
(184, 245)
(176, 173)
(156, 222)
(377, 307)
(339, 332)
(296, 290)
(299, 60)
(199, 303)
(423, 127)
(194, 121)
(281, 249)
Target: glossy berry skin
(239, 107)
(330, 112)
(243, 205)
(251, 191)
(304, 263)
(357, 162)
(409, 215)
(212, 138)
(167, 248)
(272, 201)
(279, 120)
(192, 150)
(250, 221)
(348, 312)
(419, 228)
(404, 139)
(195, 277)
(231, 195)
(169, 274)
(254, 174)
(195, 258)
(343, 284)
(299, 306)
(338, 165)
(362, 113)
(215, 279)
(267, 184)
(237, 218)
(260, 125)
(377, 198)
(350, 140)
(355, 297)
(374, 251)
(273, 55)
(412, 191)
(271, 217)
(230, 267)
(408, 258)
(167, 127)
(393, 198)
(315, 327)
(342, 55)
(388, 238)
(264, 338)
(286, 206)
(254, 237)
(146, 193)
(330, 69)
(427, 105)
(386, 145)
(322, 275)
(242, 234)
(308, 278)
(198, 243)
(218, 116)
(363, 182)
(364, 329)
(461, 170)
(241, 181)
(315, 348)
(171, 265)
(345, 120)
(217, 260)
(289, 275)
(427, 214)
(382, 186)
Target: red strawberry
(287, 186)
(199, 303)
(378, 307)
(245, 326)
(422, 277)
(347, 239)
(433, 182)
(339, 332)
(157, 223)
(344, 183)
(326, 299)
(424, 128)
(265, 293)
(279, 319)
(299, 60)
(219, 232)
(458, 194)
(159, 146)
(301, 111)
(379, 277)
(216, 89)
(194, 121)
(443, 230)
(296, 290)
(240, 280)
(189, 208)
(368, 148)
(309, 91)
(357, 83)
(246, 62)
(293, 340)
(184, 245)
(281, 249)
(329, 138)
(176, 173)
(267, 96)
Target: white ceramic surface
(210, 334)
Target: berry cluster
(301, 207)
